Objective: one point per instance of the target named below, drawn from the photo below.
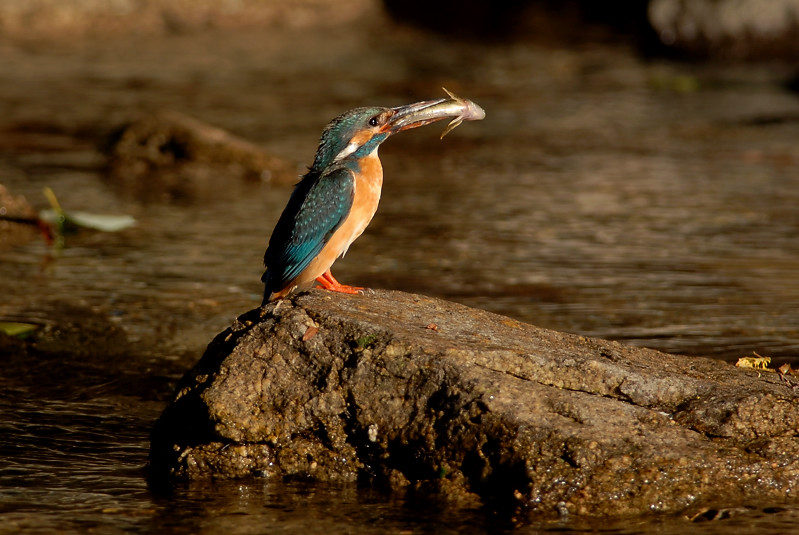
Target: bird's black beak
(416, 114)
(429, 111)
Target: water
(599, 197)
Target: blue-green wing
(317, 207)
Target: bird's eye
(374, 121)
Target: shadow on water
(599, 197)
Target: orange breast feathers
(368, 184)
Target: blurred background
(636, 178)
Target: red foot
(330, 283)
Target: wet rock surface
(169, 156)
(419, 394)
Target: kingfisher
(335, 200)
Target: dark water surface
(605, 195)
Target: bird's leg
(330, 283)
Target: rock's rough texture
(421, 394)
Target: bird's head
(359, 132)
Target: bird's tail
(268, 292)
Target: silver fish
(430, 111)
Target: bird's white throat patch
(358, 140)
(349, 149)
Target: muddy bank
(55, 20)
(422, 395)
(739, 29)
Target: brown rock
(482, 410)
(168, 156)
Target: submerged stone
(172, 157)
(419, 394)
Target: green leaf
(102, 222)
(63, 221)
(20, 330)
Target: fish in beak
(429, 111)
